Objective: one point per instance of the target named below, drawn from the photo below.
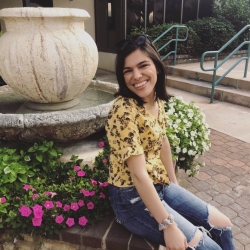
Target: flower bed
(40, 195)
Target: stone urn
(47, 56)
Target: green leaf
(3, 210)
(26, 158)
(7, 170)
(39, 158)
(53, 152)
(22, 178)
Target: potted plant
(188, 134)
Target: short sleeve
(122, 131)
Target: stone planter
(45, 55)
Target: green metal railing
(218, 65)
(176, 40)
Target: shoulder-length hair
(149, 49)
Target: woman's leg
(132, 213)
(200, 214)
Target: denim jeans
(190, 214)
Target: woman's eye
(126, 71)
(144, 65)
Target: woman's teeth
(138, 85)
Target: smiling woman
(144, 191)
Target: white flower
(184, 150)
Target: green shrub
(187, 47)
(236, 12)
(213, 33)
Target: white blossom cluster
(188, 134)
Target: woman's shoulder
(124, 102)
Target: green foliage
(236, 12)
(213, 33)
(33, 176)
(187, 47)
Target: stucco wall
(107, 61)
(9, 4)
(87, 5)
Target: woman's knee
(218, 219)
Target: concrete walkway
(225, 180)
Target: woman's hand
(174, 238)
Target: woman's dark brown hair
(151, 52)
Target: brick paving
(225, 183)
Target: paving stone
(246, 230)
(212, 192)
(238, 245)
(243, 201)
(239, 222)
(230, 213)
(221, 178)
(224, 199)
(232, 184)
(247, 247)
(204, 196)
(218, 161)
(202, 176)
(244, 239)
(235, 229)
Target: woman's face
(140, 75)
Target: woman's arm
(174, 238)
(166, 158)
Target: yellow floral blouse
(131, 130)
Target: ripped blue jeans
(190, 213)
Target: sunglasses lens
(121, 45)
(139, 40)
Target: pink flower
(51, 193)
(80, 203)
(34, 196)
(104, 161)
(70, 222)
(101, 144)
(104, 184)
(92, 193)
(47, 193)
(71, 179)
(66, 207)
(76, 168)
(38, 213)
(26, 187)
(102, 195)
(36, 222)
(90, 205)
(2, 200)
(74, 206)
(93, 182)
(25, 211)
(85, 192)
(82, 221)
(81, 173)
(59, 219)
(48, 204)
(58, 204)
(37, 208)
(33, 189)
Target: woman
(144, 192)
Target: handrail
(176, 40)
(217, 66)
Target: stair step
(231, 80)
(222, 93)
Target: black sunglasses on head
(136, 40)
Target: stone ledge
(104, 235)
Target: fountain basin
(17, 122)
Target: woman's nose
(137, 74)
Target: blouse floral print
(131, 130)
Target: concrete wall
(10, 3)
(107, 61)
(87, 5)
